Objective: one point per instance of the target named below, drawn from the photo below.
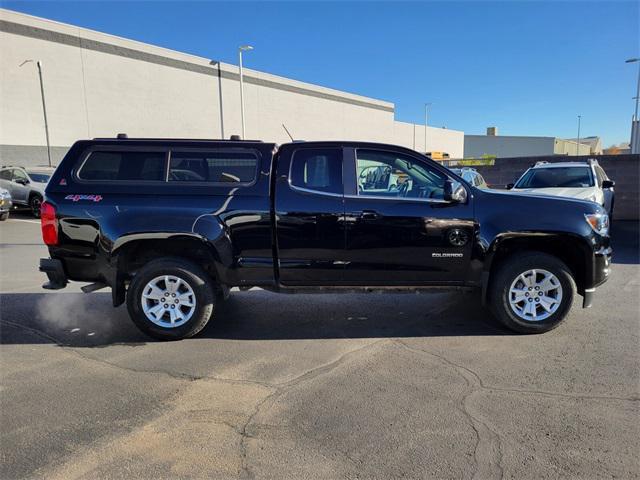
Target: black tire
(4, 216)
(34, 204)
(509, 271)
(199, 281)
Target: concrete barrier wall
(623, 169)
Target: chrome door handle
(369, 215)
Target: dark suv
(171, 225)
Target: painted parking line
(24, 220)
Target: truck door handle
(369, 215)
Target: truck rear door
(309, 210)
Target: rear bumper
(55, 273)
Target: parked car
(5, 204)
(306, 217)
(472, 176)
(586, 181)
(26, 185)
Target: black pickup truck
(171, 225)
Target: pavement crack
(283, 388)
(488, 449)
(174, 375)
(314, 372)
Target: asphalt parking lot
(324, 386)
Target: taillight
(49, 224)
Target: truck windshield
(557, 177)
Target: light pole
(426, 122)
(44, 106)
(634, 60)
(242, 48)
(578, 142)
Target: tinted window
(215, 167)
(40, 177)
(120, 165)
(557, 177)
(468, 176)
(5, 174)
(318, 169)
(19, 175)
(387, 174)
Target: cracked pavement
(315, 386)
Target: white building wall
(98, 85)
(438, 139)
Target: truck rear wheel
(532, 292)
(171, 298)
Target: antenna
(285, 129)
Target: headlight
(599, 222)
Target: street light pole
(635, 125)
(44, 106)
(241, 49)
(634, 60)
(578, 142)
(426, 122)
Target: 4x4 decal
(77, 198)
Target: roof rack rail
(124, 136)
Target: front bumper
(55, 273)
(601, 272)
(5, 205)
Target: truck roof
(237, 143)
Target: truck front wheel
(532, 292)
(171, 298)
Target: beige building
(595, 144)
(492, 144)
(97, 85)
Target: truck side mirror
(509, 186)
(608, 184)
(21, 181)
(454, 192)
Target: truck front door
(400, 229)
(309, 211)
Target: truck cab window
(318, 169)
(388, 174)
